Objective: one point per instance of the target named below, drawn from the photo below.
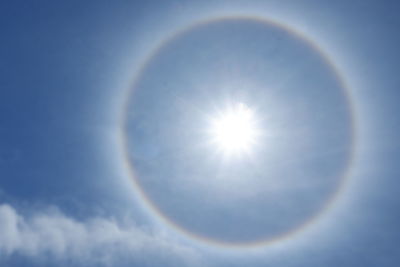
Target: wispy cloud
(99, 241)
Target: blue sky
(74, 75)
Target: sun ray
(235, 130)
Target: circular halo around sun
(192, 106)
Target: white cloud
(99, 241)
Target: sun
(235, 130)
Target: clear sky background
(66, 195)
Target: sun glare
(235, 131)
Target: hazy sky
(106, 155)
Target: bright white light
(235, 131)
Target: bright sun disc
(235, 129)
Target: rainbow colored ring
(150, 206)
